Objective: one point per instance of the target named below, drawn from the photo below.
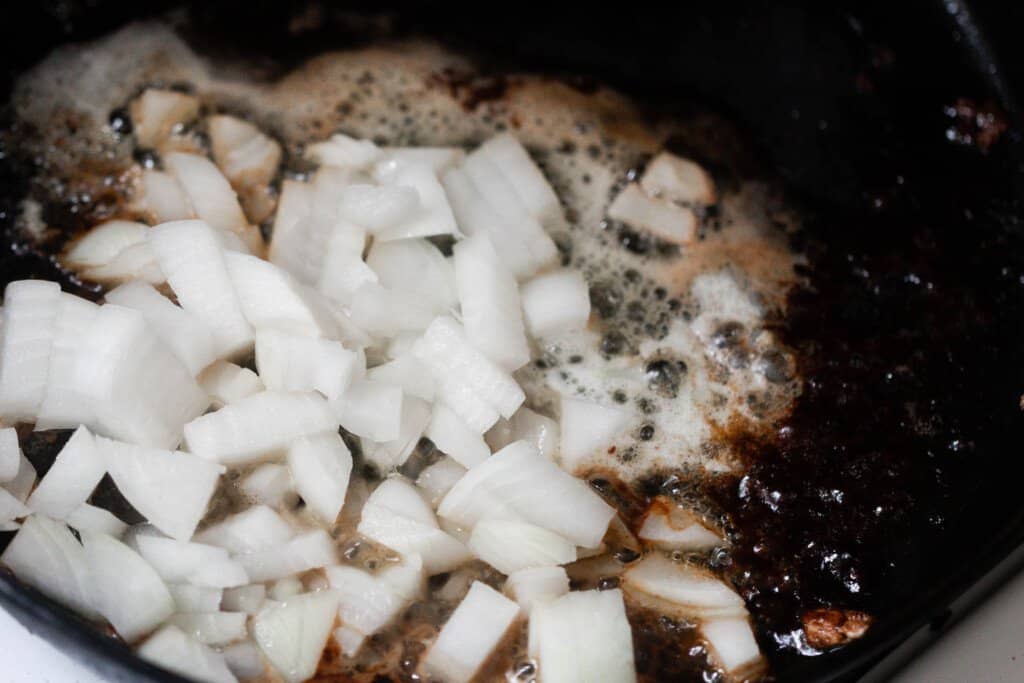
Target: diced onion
(470, 635)
(677, 179)
(10, 454)
(587, 427)
(293, 634)
(170, 489)
(172, 649)
(257, 426)
(370, 602)
(454, 438)
(248, 599)
(320, 466)
(536, 585)
(70, 481)
(437, 480)
(212, 197)
(127, 590)
(517, 481)
(583, 636)
(156, 113)
(194, 563)
(556, 302)
(257, 528)
(311, 550)
(164, 197)
(489, 298)
(666, 220)
(189, 598)
(29, 323)
(65, 402)
(267, 484)
(211, 628)
(192, 258)
(731, 642)
(226, 383)
(372, 410)
(288, 362)
(102, 244)
(511, 545)
(681, 587)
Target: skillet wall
(849, 107)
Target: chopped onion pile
(358, 325)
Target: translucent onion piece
(292, 634)
(664, 219)
(470, 635)
(172, 649)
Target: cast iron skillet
(895, 130)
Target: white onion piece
(377, 208)
(189, 598)
(226, 383)
(583, 636)
(311, 550)
(21, 486)
(10, 454)
(416, 268)
(536, 585)
(70, 481)
(556, 302)
(531, 187)
(508, 208)
(267, 484)
(519, 482)
(666, 220)
(211, 628)
(136, 262)
(257, 528)
(293, 634)
(731, 643)
(668, 526)
(393, 454)
(173, 650)
(164, 197)
(510, 545)
(437, 480)
(682, 586)
(434, 215)
(288, 362)
(271, 299)
(489, 298)
(370, 602)
(248, 599)
(189, 338)
(261, 424)
(475, 216)
(293, 208)
(343, 271)
(45, 555)
(454, 438)
(405, 372)
(343, 151)
(468, 382)
(194, 563)
(29, 324)
(677, 179)
(120, 362)
(65, 404)
(470, 635)
(409, 530)
(212, 197)
(243, 152)
(394, 158)
(244, 660)
(587, 427)
(102, 244)
(128, 591)
(170, 489)
(371, 409)
(320, 466)
(88, 517)
(396, 495)
(349, 640)
(156, 113)
(192, 258)
(11, 509)
(383, 312)
(526, 425)
(285, 588)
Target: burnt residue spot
(664, 376)
(973, 124)
(470, 88)
(666, 649)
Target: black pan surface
(895, 483)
